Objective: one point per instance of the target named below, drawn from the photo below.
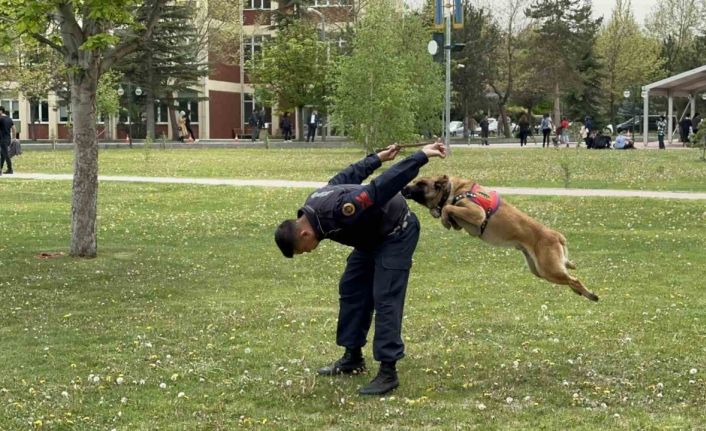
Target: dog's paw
(435, 212)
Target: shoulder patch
(348, 209)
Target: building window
(257, 4)
(161, 113)
(64, 114)
(253, 45)
(40, 112)
(12, 107)
(331, 2)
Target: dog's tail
(567, 263)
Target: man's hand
(437, 149)
(389, 153)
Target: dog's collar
(444, 198)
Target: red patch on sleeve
(364, 200)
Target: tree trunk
(149, 117)
(557, 107)
(300, 123)
(85, 185)
(503, 121)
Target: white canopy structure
(686, 84)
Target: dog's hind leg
(530, 260)
(567, 263)
(551, 267)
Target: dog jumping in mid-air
(463, 204)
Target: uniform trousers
(375, 282)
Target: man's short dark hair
(2, 109)
(285, 237)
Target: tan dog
(462, 204)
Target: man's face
(306, 244)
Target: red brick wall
(224, 72)
(224, 113)
(38, 131)
(252, 17)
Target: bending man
(375, 220)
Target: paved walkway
(314, 184)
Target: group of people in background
(257, 121)
(689, 125)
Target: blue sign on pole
(458, 14)
(439, 14)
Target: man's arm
(389, 183)
(359, 171)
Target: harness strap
(473, 196)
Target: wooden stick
(418, 144)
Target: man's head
(2, 110)
(296, 237)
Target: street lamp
(626, 95)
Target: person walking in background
(588, 125)
(7, 131)
(313, 124)
(285, 124)
(524, 125)
(181, 125)
(187, 124)
(695, 123)
(484, 130)
(254, 129)
(684, 128)
(565, 131)
(546, 126)
(661, 126)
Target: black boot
(352, 362)
(384, 382)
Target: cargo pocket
(396, 262)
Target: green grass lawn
(190, 292)
(678, 170)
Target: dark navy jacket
(362, 215)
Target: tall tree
(470, 83)
(39, 70)
(565, 28)
(676, 24)
(503, 80)
(631, 58)
(293, 68)
(171, 60)
(91, 36)
(377, 88)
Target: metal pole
(447, 101)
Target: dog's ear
(441, 182)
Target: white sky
(641, 8)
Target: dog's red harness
(489, 200)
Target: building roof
(684, 84)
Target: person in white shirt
(313, 123)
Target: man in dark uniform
(7, 131)
(377, 222)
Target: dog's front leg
(447, 220)
(472, 215)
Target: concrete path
(314, 184)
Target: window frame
(13, 106)
(250, 5)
